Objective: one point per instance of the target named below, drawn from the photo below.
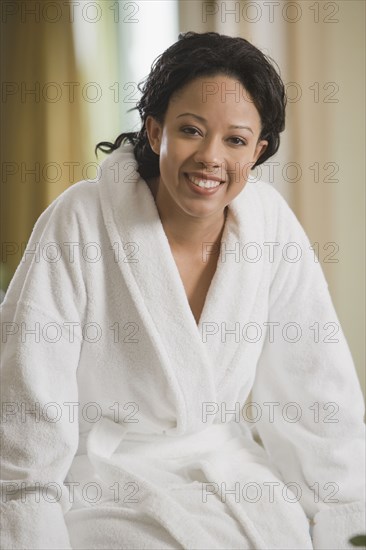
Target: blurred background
(70, 71)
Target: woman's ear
(154, 131)
(259, 150)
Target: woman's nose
(209, 153)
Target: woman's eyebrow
(204, 120)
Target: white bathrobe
(128, 426)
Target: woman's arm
(312, 406)
(41, 343)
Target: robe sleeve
(41, 342)
(310, 399)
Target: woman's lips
(202, 190)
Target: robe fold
(127, 425)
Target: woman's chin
(202, 210)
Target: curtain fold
(59, 98)
(42, 128)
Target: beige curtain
(59, 69)
(320, 48)
(42, 130)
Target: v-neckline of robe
(178, 279)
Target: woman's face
(211, 131)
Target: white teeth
(206, 184)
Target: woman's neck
(187, 233)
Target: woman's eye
(189, 130)
(241, 141)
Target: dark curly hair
(206, 54)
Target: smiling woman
(184, 150)
(180, 286)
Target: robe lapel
(232, 301)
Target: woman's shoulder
(79, 196)
(266, 193)
(70, 216)
(273, 207)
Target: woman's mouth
(203, 186)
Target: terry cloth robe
(127, 425)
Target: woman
(149, 304)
